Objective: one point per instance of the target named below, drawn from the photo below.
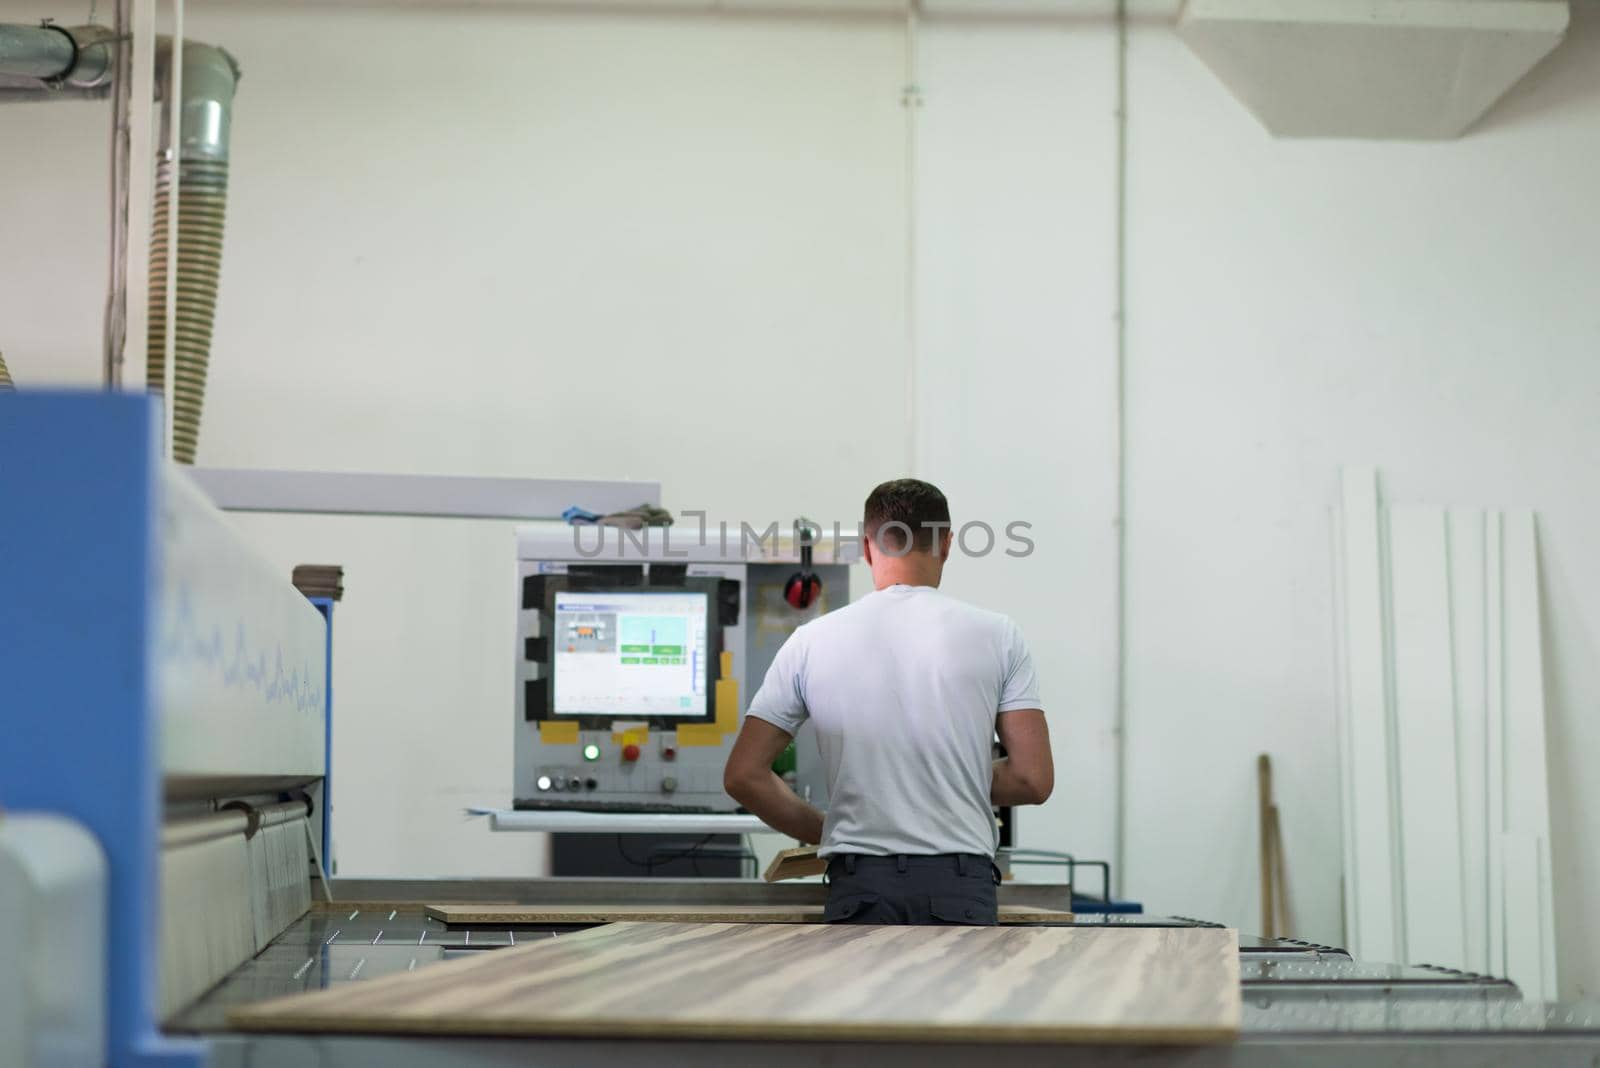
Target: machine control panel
(612, 771)
(624, 700)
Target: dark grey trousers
(953, 888)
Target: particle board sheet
(1524, 949)
(1494, 737)
(1529, 918)
(807, 982)
(602, 913)
(1461, 820)
(1373, 885)
(1527, 793)
(1470, 662)
(1425, 736)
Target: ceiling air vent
(1413, 69)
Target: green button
(591, 752)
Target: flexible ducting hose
(209, 77)
(202, 200)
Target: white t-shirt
(903, 687)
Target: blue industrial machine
(166, 698)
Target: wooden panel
(1527, 794)
(1547, 921)
(1495, 737)
(1371, 887)
(1425, 737)
(1469, 658)
(602, 913)
(1341, 702)
(1523, 939)
(1056, 984)
(796, 863)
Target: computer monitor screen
(622, 654)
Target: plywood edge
(263, 1019)
(632, 913)
(1009, 915)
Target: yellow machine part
(727, 707)
(554, 733)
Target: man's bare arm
(749, 779)
(1027, 773)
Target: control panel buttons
(630, 753)
(669, 784)
(544, 782)
(591, 752)
(669, 753)
(574, 783)
(591, 784)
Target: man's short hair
(905, 507)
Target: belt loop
(849, 863)
(994, 870)
(961, 864)
(901, 863)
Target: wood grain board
(796, 863)
(604, 913)
(817, 982)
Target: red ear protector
(803, 587)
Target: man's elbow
(738, 784)
(1039, 787)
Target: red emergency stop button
(630, 753)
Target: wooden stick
(1283, 924)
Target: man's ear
(866, 550)
(944, 543)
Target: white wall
(455, 236)
(1016, 346)
(523, 244)
(1295, 306)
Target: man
(907, 689)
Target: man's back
(907, 687)
(903, 688)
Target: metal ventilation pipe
(205, 116)
(80, 57)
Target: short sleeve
(1020, 689)
(781, 699)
